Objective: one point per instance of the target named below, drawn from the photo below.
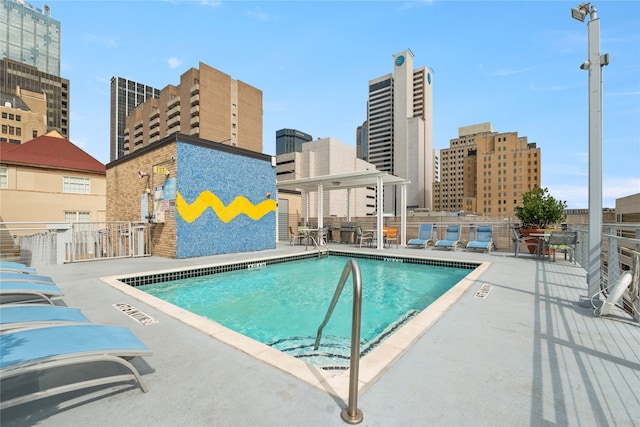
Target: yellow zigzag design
(190, 212)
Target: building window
(72, 216)
(76, 185)
(34, 133)
(4, 177)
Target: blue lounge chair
(484, 239)
(31, 351)
(11, 276)
(11, 266)
(29, 315)
(451, 239)
(425, 237)
(12, 292)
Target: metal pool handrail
(351, 414)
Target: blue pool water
(282, 305)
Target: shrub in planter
(539, 210)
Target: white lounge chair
(32, 351)
(451, 239)
(483, 240)
(425, 237)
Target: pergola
(347, 181)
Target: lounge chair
(24, 292)
(425, 237)
(362, 237)
(10, 266)
(31, 351)
(29, 315)
(451, 239)
(483, 240)
(25, 277)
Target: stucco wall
(36, 194)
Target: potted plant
(539, 210)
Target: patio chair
(425, 237)
(26, 292)
(451, 239)
(391, 236)
(520, 240)
(295, 235)
(564, 241)
(362, 237)
(29, 315)
(11, 276)
(32, 351)
(15, 267)
(484, 239)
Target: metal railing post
(351, 414)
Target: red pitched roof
(50, 152)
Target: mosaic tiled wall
(225, 202)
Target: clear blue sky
(512, 63)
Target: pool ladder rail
(351, 414)
(322, 241)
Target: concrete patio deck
(526, 355)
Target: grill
(348, 232)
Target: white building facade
(322, 157)
(400, 131)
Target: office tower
(486, 172)
(14, 75)
(290, 140)
(400, 131)
(362, 142)
(125, 96)
(207, 104)
(30, 61)
(30, 36)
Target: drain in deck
(484, 290)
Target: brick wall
(125, 190)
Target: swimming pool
(335, 382)
(282, 305)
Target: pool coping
(336, 383)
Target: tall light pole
(594, 65)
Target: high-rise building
(125, 96)
(400, 131)
(14, 75)
(362, 142)
(328, 156)
(30, 60)
(207, 104)
(486, 172)
(290, 140)
(31, 36)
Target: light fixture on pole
(594, 65)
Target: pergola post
(403, 215)
(380, 211)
